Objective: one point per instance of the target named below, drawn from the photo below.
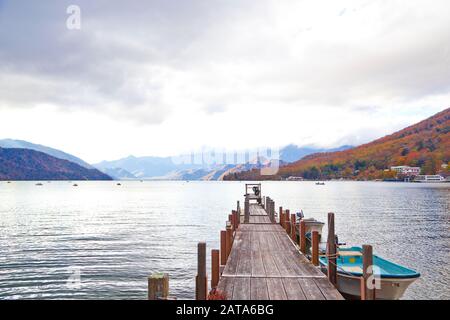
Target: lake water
(111, 237)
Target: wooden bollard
(230, 219)
(293, 223)
(272, 211)
(315, 248)
(368, 271)
(235, 223)
(214, 268)
(302, 236)
(223, 247)
(331, 250)
(287, 223)
(158, 286)
(280, 215)
(229, 239)
(202, 279)
(246, 210)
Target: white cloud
(162, 77)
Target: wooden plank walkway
(264, 264)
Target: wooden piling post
(158, 286)
(272, 211)
(287, 223)
(331, 250)
(229, 239)
(293, 224)
(280, 216)
(201, 280)
(214, 268)
(302, 236)
(368, 271)
(223, 247)
(315, 248)
(230, 219)
(246, 210)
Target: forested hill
(425, 144)
(26, 164)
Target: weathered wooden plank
(276, 289)
(293, 289)
(226, 286)
(244, 266)
(310, 289)
(241, 290)
(258, 287)
(328, 290)
(257, 261)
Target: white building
(429, 178)
(406, 170)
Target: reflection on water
(111, 237)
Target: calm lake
(111, 237)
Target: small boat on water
(75, 185)
(395, 279)
(318, 183)
(39, 184)
(119, 184)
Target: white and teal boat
(394, 278)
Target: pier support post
(223, 247)
(201, 280)
(293, 224)
(287, 223)
(236, 219)
(331, 250)
(280, 216)
(214, 268)
(302, 236)
(246, 210)
(238, 210)
(369, 292)
(158, 286)
(315, 248)
(229, 239)
(269, 210)
(273, 212)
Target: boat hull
(391, 288)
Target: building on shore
(429, 178)
(406, 170)
(294, 178)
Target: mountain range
(23, 160)
(21, 144)
(425, 145)
(170, 168)
(27, 164)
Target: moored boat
(394, 278)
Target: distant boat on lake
(318, 183)
(39, 184)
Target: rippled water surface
(114, 236)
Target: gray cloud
(140, 60)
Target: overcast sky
(168, 77)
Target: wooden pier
(259, 259)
